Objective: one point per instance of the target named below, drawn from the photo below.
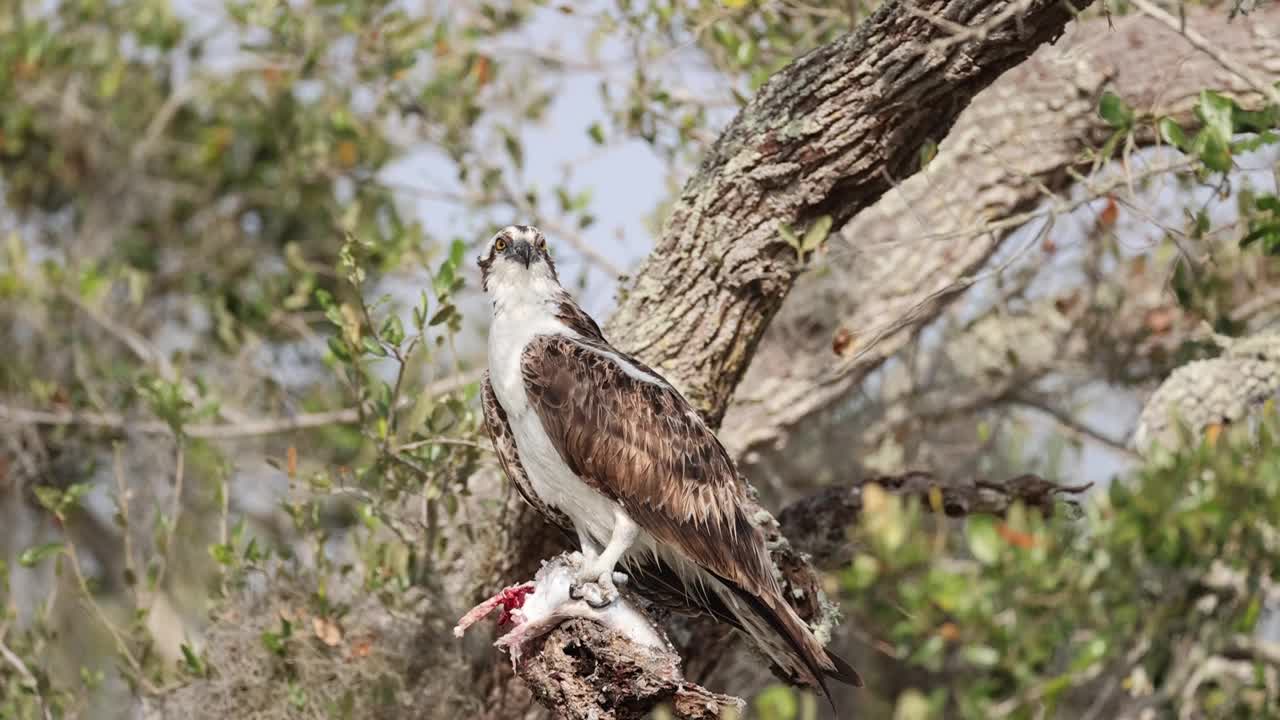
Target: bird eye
(500, 245)
(542, 243)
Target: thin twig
(207, 431)
(1198, 41)
(1069, 423)
(127, 337)
(15, 661)
(961, 284)
(443, 441)
(123, 495)
(174, 515)
(121, 645)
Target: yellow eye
(542, 243)
(500, 245)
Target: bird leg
(590, 550)
(597, 582)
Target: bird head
(517, 257)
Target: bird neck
(527, 295)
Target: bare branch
(229, 431)
(1198, 41)
(818, 524)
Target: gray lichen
(1227, 390)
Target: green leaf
(1213, 150)
(596, 133)
(75, 492)
(222, 553)
(984, 541)
(373, 347)
(392, 330)
(928, 151)
(339, 349)
(1092, 652)
(816, 234)
(1216, 112)
(1115, 111)
(33, 556)
(1172, 133)
(514, 149)
(982, 656)
(777, 702)
(1269, 232)
(789, 236)
(49, 497)
(442, 315)
(193, 662)
(457, 251)
(863, 572)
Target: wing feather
(634, 438)
(504, 445)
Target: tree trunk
(827, 136)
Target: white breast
(549, 476)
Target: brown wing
(642, 445)
(504, 444)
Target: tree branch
(1020, 143)
(827, 136)
(584, 671)
(818, 525)
(212, 431)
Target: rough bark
(1228, 390)
(1019, 143)
(587, 672)
(827, 136)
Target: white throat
(525, 301)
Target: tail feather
(844, 672)
(815, 663)
(771, 623)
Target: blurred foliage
(1026, 617)
(205, 235)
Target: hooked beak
(523, 252)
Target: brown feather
(678, 484)
(504, 445)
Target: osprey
(605, 448)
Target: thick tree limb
(826, 136)
(1021, 143)
(584, 671)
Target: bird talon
(598, 591)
